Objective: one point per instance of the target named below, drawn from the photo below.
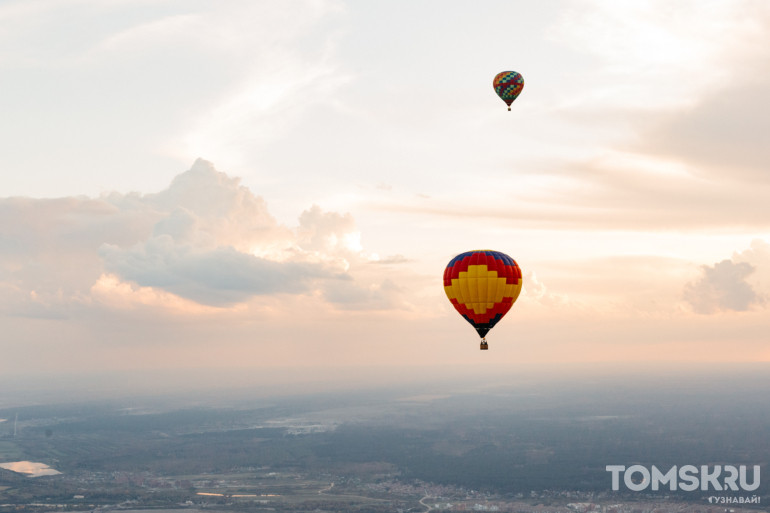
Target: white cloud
(215, 210)
(328, 231)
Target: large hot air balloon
(482, 285)
(508, 86)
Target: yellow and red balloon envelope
(482, 285)
(508, 86)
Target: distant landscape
(498, 444)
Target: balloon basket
(484, 346)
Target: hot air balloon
(482, 285)
(508, 86)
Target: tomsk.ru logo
(687, 477)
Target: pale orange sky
(300, 190)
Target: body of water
(30, 468)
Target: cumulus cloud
(49, 249)
(722, 287)
(206, 239)
(206, 207)
(111, 291)
(212, 244)
(328, 231)
(758, 254)
(218, 276)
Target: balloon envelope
(508, 86)
(482, 285)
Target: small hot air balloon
(508, 86)
(482, 285)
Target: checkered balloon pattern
(508, 86)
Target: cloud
(118, 295)
(49, 248)
(207, 208)
(328, 231)
(740, 283)
(757, 254)
(218, 276)
(212, 243)
(205, 239)
(722, 287)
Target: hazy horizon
(211, 387)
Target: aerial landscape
(491, 444)
(399, 256)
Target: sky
(275, 188)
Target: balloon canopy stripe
(494, 260)
(482, 285)
(488, 318)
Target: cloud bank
(205, 239)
